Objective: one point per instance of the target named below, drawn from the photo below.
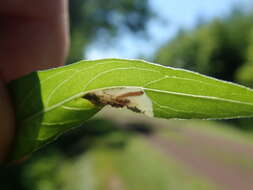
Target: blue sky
(175, 14)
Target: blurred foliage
(219, 48)
(43, 169)
(116, 159)
(49, 168)
(90, 19)
(245, 72)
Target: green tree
(90, 19)
(244, 73)
(217, 48)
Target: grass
(134, 167)
(223, 153)
(122, 161)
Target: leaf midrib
(144, 88)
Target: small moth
(132, 98)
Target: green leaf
(52, 101)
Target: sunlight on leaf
(53, 101)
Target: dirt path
(115, 183)
(226, 163)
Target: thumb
(7, 122)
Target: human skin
(33, 36)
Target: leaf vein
(114, 69)
(37, 86)
(58, 86)
(74, 108)
(61, 123)
(199, 96)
